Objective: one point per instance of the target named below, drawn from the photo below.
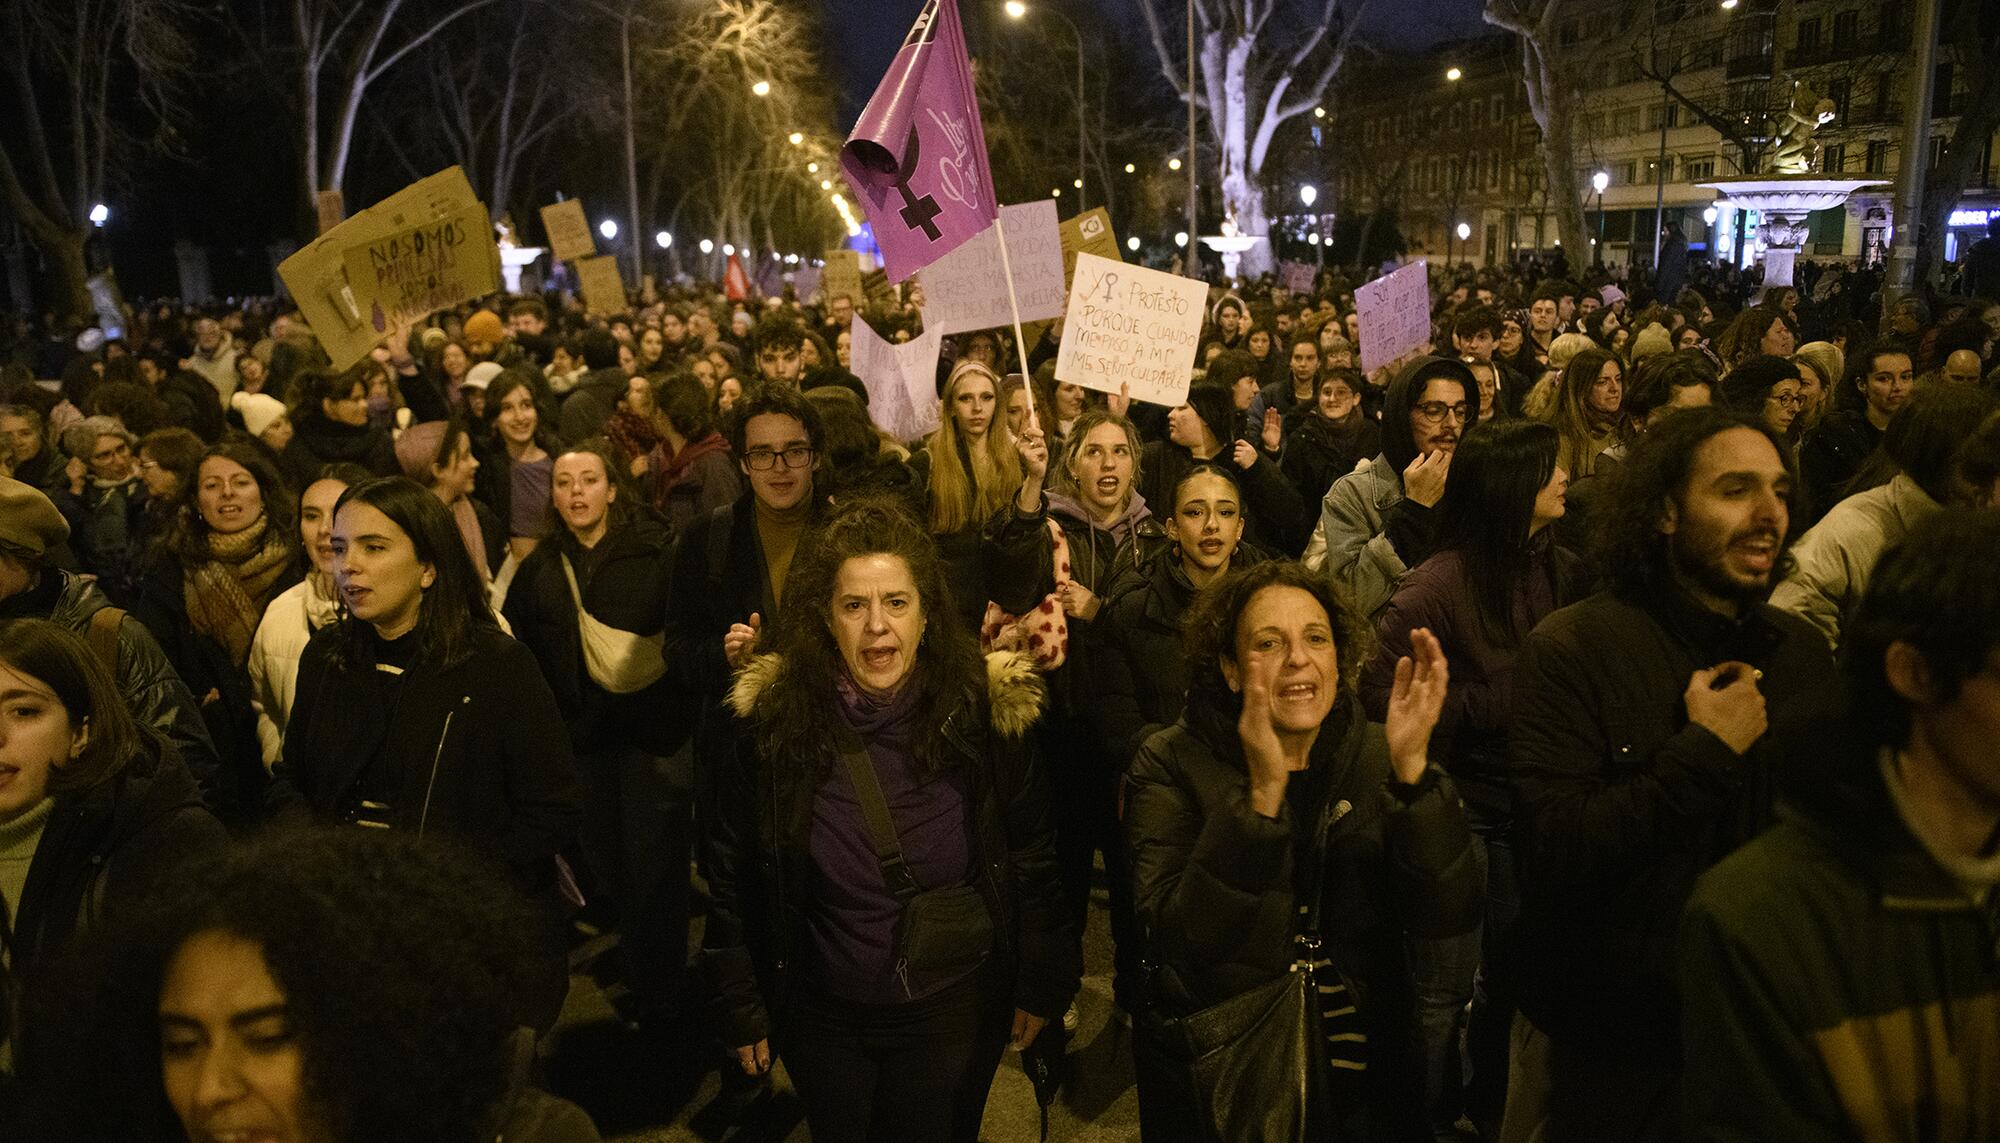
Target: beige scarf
(225, 594)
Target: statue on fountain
(1796, 150)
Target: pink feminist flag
(917, 157)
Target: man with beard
(1377, 522)
(1640, 758)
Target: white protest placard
(965, 289)
(1395, 315)
(805, 283)
(1131, 326)
(901, 380)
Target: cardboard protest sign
(332, 212)
(1087, 233)
(1131, 326)
(1395, 315)
(841, 275)
(602, 287)
(966, 289)
(1297, 277)
(568, 230)
(901, 380)
(425, 247)
(805, 283)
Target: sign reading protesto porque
(1132, 328)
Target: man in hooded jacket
(1378, 522)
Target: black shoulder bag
(941, 931)
(1256, 1062)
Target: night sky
(864, 34)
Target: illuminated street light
(1464, 231)
(1319, 113)
(826, 184)
(1728, 5)
(1174, 164)
(728, 249)
(1180, 238)
(761, 88)
(812, 168)
(1708, 216)
(100, 214)
(1055, 192)
(608, 229)
(1600, 180)
(1016, 9)
(1308, 194)
(1077, 183)
(796, 138)
(707, 246)
(663, 240)
(1131, 168)
(1132, 244)
(1453, 74)
(1313, 238)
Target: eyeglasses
(1789, 400)
(765, 459)
(1433, 412)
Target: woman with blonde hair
(1588, 410)
(969, 469)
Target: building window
(1625, 121)
(1808, 37)
(1702, 167)
(1499, 108)
(1839, 90)
(1833, 160)
(1877, 160)
(1846, 26)
(1626, 173)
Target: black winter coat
(975, 572)
(1214, 889)
(761, 875)
(1621, 802)
(477, 750)
(318, 440)
(1319, 452)
(1277, 519)
(624, 584)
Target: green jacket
(1837, 983)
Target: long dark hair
(797, 719)
(189, 537)
(1209, 634)
(1488, 508)
(454, 605)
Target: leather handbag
(940, 931)
(1256, 1063)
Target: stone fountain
(1230, 245)
(1791, 191)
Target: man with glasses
(1377, 522)
(731, 565)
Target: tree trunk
(68, 271)
(1554, 108)
(1242, 193)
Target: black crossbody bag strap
(881, 828)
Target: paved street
(670, 1089)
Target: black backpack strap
(881, 828)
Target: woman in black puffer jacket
(802, 937)
(1272, 765)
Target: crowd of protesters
(338, 705)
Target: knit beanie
(485, 326)
(417, 449)
(258, 410)
(1651, 342)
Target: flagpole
(1014, 306)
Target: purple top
(853, 920)
(528, 509)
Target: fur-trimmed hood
(1015, 693)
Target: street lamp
(761, 88)
(1131, 168)
(663, 240)
(1077, 183)
(812, 168)
(1017, 10)
(1174, 164)
(1454, 74)
(100, 214)
(796, 138)
(707, 246)
(608, 229)
(1708, 216)
(1180, 238)
(1464, 231)
(1600, 180)
(1132, 244)
(1308, 194)
(728, 249)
